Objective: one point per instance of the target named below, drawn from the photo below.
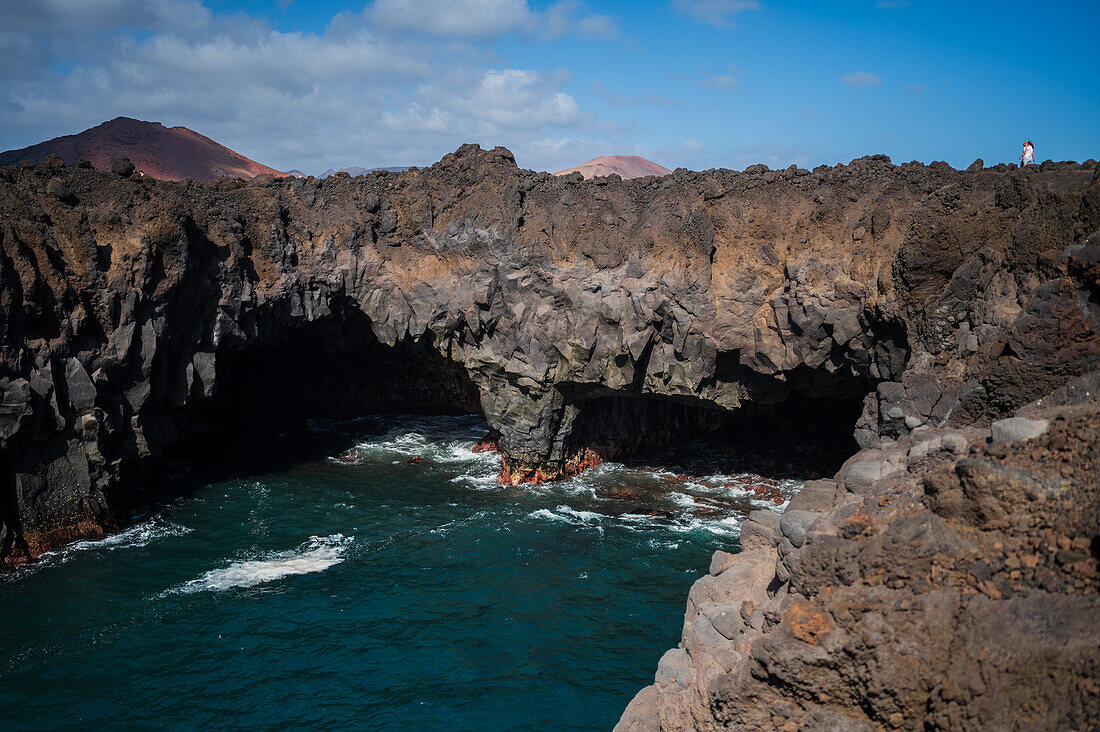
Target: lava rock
(122, 166)
(1015, 429)
(61, 191)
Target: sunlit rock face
(587, 320)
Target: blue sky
(693, 83)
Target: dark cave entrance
(807, 427)
(268, 400)
(268, 397)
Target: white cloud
(353, 95)
(616, 99)
(861, 78)
(493, 104)
(485, 19)
(723, 82)
(715, 12)
(567, 17)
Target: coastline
(948, 530)
(918, 306)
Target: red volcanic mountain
(167, 153)
(628, 166)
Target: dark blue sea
(364, 591)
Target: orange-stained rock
(807, 622)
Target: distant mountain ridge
(627, 166)
(167, 153)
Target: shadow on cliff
(297, 398)
(802, 437)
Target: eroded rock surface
(942, 579)
(959, 591)
(585, 319)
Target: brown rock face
(954, 587)
(165, 153)
(588, 321)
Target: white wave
(315, 555)
(585, 516)
(568, 515)
(462, 452)
(487, 481)
(138, 535)
(406, 445)
(682, 499)
(746, 492)
(640, 518)
(547, 515)
(729, 526)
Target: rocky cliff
(588, 320)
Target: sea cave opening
(803, 426)
(270, 400)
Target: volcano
(167, 153)
(627, 166)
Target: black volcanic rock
(59, 190)
(594, 320)
(357, 170)
(121, 165)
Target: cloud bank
(400, 83)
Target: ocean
(394, 585)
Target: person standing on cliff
(1027, 157)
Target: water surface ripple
(364, 590)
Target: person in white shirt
(1027, 157)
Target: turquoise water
(364, 591)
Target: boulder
(674, 669)
(1016, 429)
(61, 191)
(816, 495)
(122, 166)
(759, 531)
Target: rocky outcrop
(947, 579)
(591, 319)
(584, 319)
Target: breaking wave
(137, 536)
(682, 500)
(315, 555)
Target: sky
(686, 83)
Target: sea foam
(315, 555)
